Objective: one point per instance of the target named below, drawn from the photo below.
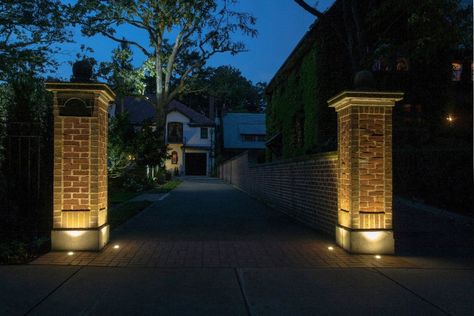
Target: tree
(229, 88)
(200, 29)
(28, 28)
(419, 30)
(150, 151)
(122, 76)
(120, 145)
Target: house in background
(243, 132)
(189, 135)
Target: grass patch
(166, 187)
(117, 196)
(123, 212)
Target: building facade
(190, 136)
(242, 132)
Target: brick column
(80, 165)
(365, 170)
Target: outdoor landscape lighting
(75, 233)
(450, 119)
(330, 248)
(116, 247)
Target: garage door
(196, 164)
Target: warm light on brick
(365, 170)
(80, 165)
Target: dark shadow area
(421, 232)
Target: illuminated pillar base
(79, 239)
(365, 241)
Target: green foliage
(298, 108)
(230, 89)
(120, 144)
(28, 28)
(130, 150)
(149, 148)
(426, 33)
(167, 187)
(121, 75)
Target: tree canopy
(198, 29)
(420, 30)
(28, 28)
(229, 88)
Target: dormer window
(175, 132)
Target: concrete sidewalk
(60, 290)
(209, 249)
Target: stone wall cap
(80, 87)
(392, 96)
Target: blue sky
(280, 23)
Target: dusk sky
(280, 23)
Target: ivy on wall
(298, 106)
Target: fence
(27, 172)
(304, 188)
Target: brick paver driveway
(207, 223)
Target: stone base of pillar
(365, 241)
(79, 239)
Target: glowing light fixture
(70, 253)
(373, 236)
(450, 118)
(75, 233)
(378, 257)
(330, 248)
(116, 247)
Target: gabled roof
(195, 117)
(141, 109)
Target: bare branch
(310, 9)
(143, 49)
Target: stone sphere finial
(364, 80)
(82, 71)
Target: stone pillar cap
(101, 88)
(364, 98)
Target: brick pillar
(365, 170)
(80, 165)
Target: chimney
(212, 108)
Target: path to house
(209, 249)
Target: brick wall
(304, 188)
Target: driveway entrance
(207, 223)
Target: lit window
(174, 158)
(456, 71)
(204, 133)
